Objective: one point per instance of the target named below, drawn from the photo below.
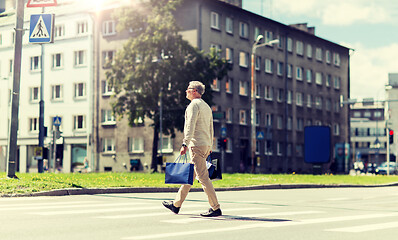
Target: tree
(157, 61)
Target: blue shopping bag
(179, 172)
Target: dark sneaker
(212, 213)
(170, 205)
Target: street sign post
(38, 153)
(41, 3)
(41, 28)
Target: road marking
(366, 228)
(100, 210)
(61, 206)
(337, 199)
(264, 225)
(40, 205)
(197, 219)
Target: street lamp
(253, 97)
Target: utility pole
(13, 133)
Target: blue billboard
(317, 144)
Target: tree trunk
(154, 165)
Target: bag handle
(180, 159)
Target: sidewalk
(92, 191)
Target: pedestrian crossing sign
(41, 28)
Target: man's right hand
(183, 150)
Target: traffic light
(224, 143)
(391, 136)
(219, 143)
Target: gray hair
(198, 86)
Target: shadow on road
(240, 218)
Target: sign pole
(12, 144)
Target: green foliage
(156, 59)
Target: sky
(370, 27)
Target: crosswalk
(236, 217)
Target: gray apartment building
(300, 82)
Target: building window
(257, 118)
(318, 54)
(328, 80)
(300, 124)
(309, 75)
(328, 105)
(258, 91)
(318, 78)
(56, 91)
(280, 69)
(318, 102)
(57, 61)
(268, 119)
(136, 144)
(279, 148)
(107, 117)
(258, 62)
(108, 58)
(337, 82)
(243, 89)
(328, 57)
(289, 71)
(243, 59)
(299, 73)
(279, 122)
(80, 58)
(59, 31)
(299, 150)
(257, 147)
(256, 32)
(11, 67)
(243, 30)
(35, 63)
(229, 25)
(268, 147)
(229, 55)
(289, 97)
(82, 27)
(336, 59)
(167, 143)
(108, 145)
(229, 85)
(229, 115)
(299, 48)
(242, 117)
(268, 65)
(309, 100)
(33, 124)
(109, 28)
(309, 51)
(215, 85)
(268, 93)
(80, 90)
(279, 95)
(215, 20)
(289, 150)
(299, 99)
(268, 37)
(79, 122)
(336, 129)
(34, 94)
(289, 45)
(289, 124)
(107, 89)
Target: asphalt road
(329, 213)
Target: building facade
(368, 133)
(300, 82)
(68, 79)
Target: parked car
(382, 169)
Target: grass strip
(35, 182)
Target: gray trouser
(198, 158)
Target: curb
(93, 191)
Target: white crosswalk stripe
(366, 228)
